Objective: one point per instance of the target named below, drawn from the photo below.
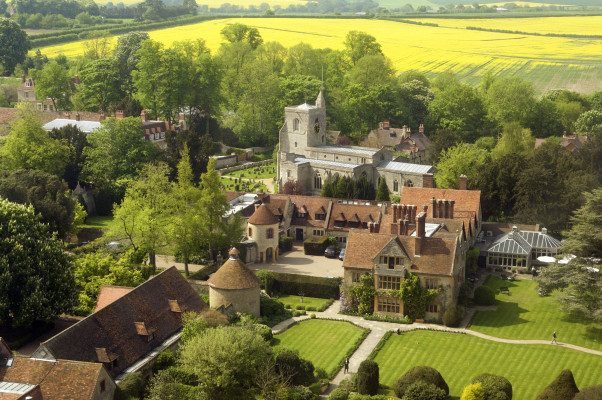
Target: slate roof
(109, 294)
(314, 161)
(347, 149)
(263, 216)
(84, 126)
(418, 139)
(234, 275)
(405, 167)
(436, 255)
(56, 380)
(113, 327)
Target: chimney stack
(451, 208)
(434, 207)
(381, 125)
(428, 181)
(446, 208)
(102, 116)
(421, 129)
(463, 182)
(77, 117)
(144, 116)
(23, 79)
(420, 230)
(386, 124)
(119, 114)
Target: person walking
(554, 338)
(346, 370)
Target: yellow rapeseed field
(547, 61)
(561, 25)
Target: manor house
(305, 156)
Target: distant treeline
(566, 35)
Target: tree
(76, 141)
(424, 391)
(292, 187)
(48, 195)
(510, 99)
(383, 191)
(463, 159)
(126, 54)
(419, 374)
(514, 140)
(495, 387)
(100, 89)
(36, 274)
(53, 82)
(300, 371)
(14, 45)
(359, 44)
(590, 122)
(28, 145)
(458, 108)
(98, 46)
(200, 149)
(143, 215)
(367, 377)
(585, 237)
(242, 33)
(561, 388)
(225, 360)
(580, 283)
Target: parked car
(331, 251)
(342, 254)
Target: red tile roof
(466, 200)
(349, 216)
(310, 205)
(109, 294)
(263, 216)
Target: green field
(325, 343)
(295, 301)
(459, 357)
(98, 222)
(548, 62)
(523, 314)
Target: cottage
(414, 145)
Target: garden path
(379, 328)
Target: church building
(305, 156)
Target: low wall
(224, 171)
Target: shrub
(338, 394)
(453, 316)
(493, 386)
(299, 307)
(267, 280)
(416, 374)
(473, 392)
(132, 385)
(302, 371)
(310, 308)
(312, 316)
(316, 247)
(214, 318)
(285, 243)
(422, 390)
(590, 393)
(264, 330)
(561, 388)
(269, 306)
(312, 286)
(296, 313)
(164, 360)
(321, 373)
(349, 384)
(301, 393)
(484, 296)
(367, 377)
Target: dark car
(342, 254)
(331, 251)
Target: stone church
(305, 156)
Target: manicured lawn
(523, 314)
(325, 343)
(294, 301)
(98, 222)
(269, 171)
(459, 357)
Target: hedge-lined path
(379, 328)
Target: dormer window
(110, 360)
(390, 261)
(28, 84)
(320, 217)
(174, 307)
(143, 331)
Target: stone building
(262, 232)
(26, 93)
(414, 145)
(234, 288)
(305, 156)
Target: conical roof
(234, 275)
(263, 216)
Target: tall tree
(100, 89)
(590, 122)
(359, 44)
(14, 45)
(76, 141)
(514, 140)
(463, 159)
(242, 33)
(28, 145)
(383, 191)
(53, 82)
(510, 99)
(36, 275)
(458, 108)
(585, 236)
(126, 54)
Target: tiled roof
(263, 216)
(314, 161)
(366, 151)
(112, 327)
(418, 139)
(405, 167)
(234, 275)
(57, 380)
(466, 200)
(361, 214)
(313, 205)
(109, 294)
(384, 137)
(436, 255)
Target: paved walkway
(379, 328)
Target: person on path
(346, 370)
(554, 338)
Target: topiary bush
(473, 392)
(453, 316)
(417, 374)
(321, 373)
(301, 371)
(496, 387)
(338, 394)
(422, 390)
(561, 388)
(590, 393)
(484, 296)
(367, 377)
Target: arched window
(250, 231)
(296, 124)
(395, 186)
(317, 181)
(269, 233)
(409, 183)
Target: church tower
(304, 126)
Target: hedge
(316, 247)
(561, 388)
(484, 296)
(311, 286)
(285, 244)
(367, 377)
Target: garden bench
(504, 289)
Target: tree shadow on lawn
(507, 314)
(593, 331)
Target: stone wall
(242, 300)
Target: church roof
(263, 216)
(347, 149)
(405, 167)
(234, 275)
(315, 161)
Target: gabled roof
(84, 126)
(263, 216)
(417, 139)
(405, 167)
(466, 200)
(112, 327)
(312, 205)
(109, 294)
(234, 275)
(354, 213)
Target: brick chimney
(78, 117)
(420, 231)
(434, 207)
(463, 182)
(144, 116)
(102, 116)
(119, 114)
(413, 210)
(381, 125)
(23, 78)
(182, 121)
(451, 208)
(421, 129)
(386, 125)
(428, 181)
(446, 208)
